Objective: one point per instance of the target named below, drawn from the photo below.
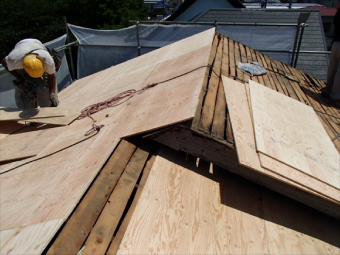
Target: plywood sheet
(163, 105)
(293, 228)
(309, 183)
(245, 143)
(8, 127)
(31, 239)
(60, 121)
(23, 145)
(131, 74)
(185, 210)
(6, 236)
(24, 114)
(289, 131)
(50, 187)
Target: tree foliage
(44, 19)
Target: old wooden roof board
(49, 188)
(313, 37)
(288, 81)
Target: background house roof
(191, 8)
(313, 37)
(325, 11)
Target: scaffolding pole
(69, 48)
(213, 23)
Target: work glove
(54, 100)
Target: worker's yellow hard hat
(33, 65)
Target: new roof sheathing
(241, 113)
(186, 209)
(291, 136)
(48, 188)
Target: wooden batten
(108, 199)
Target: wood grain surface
(310, 183)
(171, 102)
(60, 121)
(209, 103)
(293, 228)
(184, 209)
(181, 211)
(218, 126)
(49, 186)
(104, 228)
(24, 114)
(289, 131)
(31, 239)
(27, 144)
(86, 214)
(114, 246)
(238, 105)
(6, 236)
(8, 127)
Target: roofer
(333, 74)
(34, 69)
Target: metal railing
(300, 27)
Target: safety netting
(275, 41)
(63, 76)
(101, 49)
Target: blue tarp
(160, 4)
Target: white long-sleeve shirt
(15, 57)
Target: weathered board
(289, 131)
(102, 232)
(86, 214)
(120, 234)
